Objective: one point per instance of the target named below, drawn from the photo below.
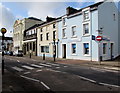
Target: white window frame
(83, 11)
(84, 49)
(87, 34)
(74, 31)
(65, 33)
(65, 17)
(72, 49)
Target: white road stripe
(109, 85)
(38, 70)
(53, 64)
(17, 68)
(57, 67)
(26, 72)
(65, 66)
(45, 65)
(27, 67)
(36, 66)
(44, 85)
(29, 78)
(18, 61)
(34, 60)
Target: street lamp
(3, 31)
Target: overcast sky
(10, 11)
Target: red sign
(99, 38)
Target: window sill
(74, 37)
(87, 55)
(74, 54)
(64, 25)
(64, 38)
(86, 35)
(86, 20)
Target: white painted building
(78, 29)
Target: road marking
(17, 68)
(38, 70)
(36, 66)
(109, 85)
(29, 78)
(97, 82)
(53, 70)
(87, 79)
(34, 60)
(27, 67)
(53, 64)
(35, 81)
(26, 72)
(65, 66)
(44, 85)
(45, 65)
(57, 67)
(18, 61)
(97, 69)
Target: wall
(110, 27)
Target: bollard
(43, 56)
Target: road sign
(99, 38)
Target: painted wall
(109, 25)
(79, 39)
(45, 42)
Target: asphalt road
(62, 77)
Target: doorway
(111, 47)
(64, 50)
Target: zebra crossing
(24, 67)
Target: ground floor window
(86, 48)
(104, 48)
(45, 49)
(73, 48)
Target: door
(64, 50)
(111, 46)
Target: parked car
(18, 53)
(11, 53)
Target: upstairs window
(86, 15)
(41, 37)
(54, 25)
(54, 35)
(47, 36)
(64, 21)
(64, 33)
(85, 28)
(41, 29)
(74, 31)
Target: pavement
(110, 65)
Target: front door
(111, 46)
(64, 50)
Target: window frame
(83, 25)
(72, 51)
(86, 54)
(64, 34)
(73, 31)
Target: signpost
(99, 38)
(3, 31)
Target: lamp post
(3, 31)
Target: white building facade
(77, 32)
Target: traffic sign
(99, 38)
